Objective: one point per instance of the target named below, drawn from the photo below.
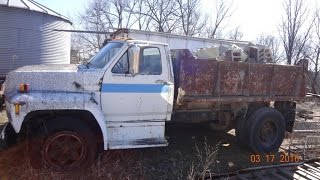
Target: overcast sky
(253, 16)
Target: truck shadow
(195, 146)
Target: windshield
(105, 55)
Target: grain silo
(28, 36)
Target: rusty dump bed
(211, 81)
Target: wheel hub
(268, 133)
(64, 150)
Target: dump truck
(127, 93)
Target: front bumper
(8, 136)
(3, 131)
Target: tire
(63, 144)
(265, 130)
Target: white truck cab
(137, 94)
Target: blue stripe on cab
(134, 88)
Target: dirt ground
(192, 149)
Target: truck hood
(48, 68)
(53, 78)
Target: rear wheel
(67, 144)
(265, 130)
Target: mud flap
(288, 111)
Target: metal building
(28, 36)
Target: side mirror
(134, 55)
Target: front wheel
(266, 130)
(66, 146)
(64, 150)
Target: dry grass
(122, 164)
(207, 157)
(118, 164)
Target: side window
(150, 61)
(122, 66)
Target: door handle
(160, 81)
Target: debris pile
(250, 53)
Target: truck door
(147, 95)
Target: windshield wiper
(87, 65)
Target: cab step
(138, 143)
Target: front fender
(35, 101)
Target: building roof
(31, 5)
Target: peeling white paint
(54, 87)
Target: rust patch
(197, 76)
(288, 80)
(233, 78)
(260, 78)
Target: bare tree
(162, 14)
(173, 16)
(103, 15)
(293, 33)
(141, 14)
(76, 49)
(192, 21)
(222, 13)
(118, 13)
(93, 19)
(314, 73)
(235, 34)
(315, 54)
(273, 43)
